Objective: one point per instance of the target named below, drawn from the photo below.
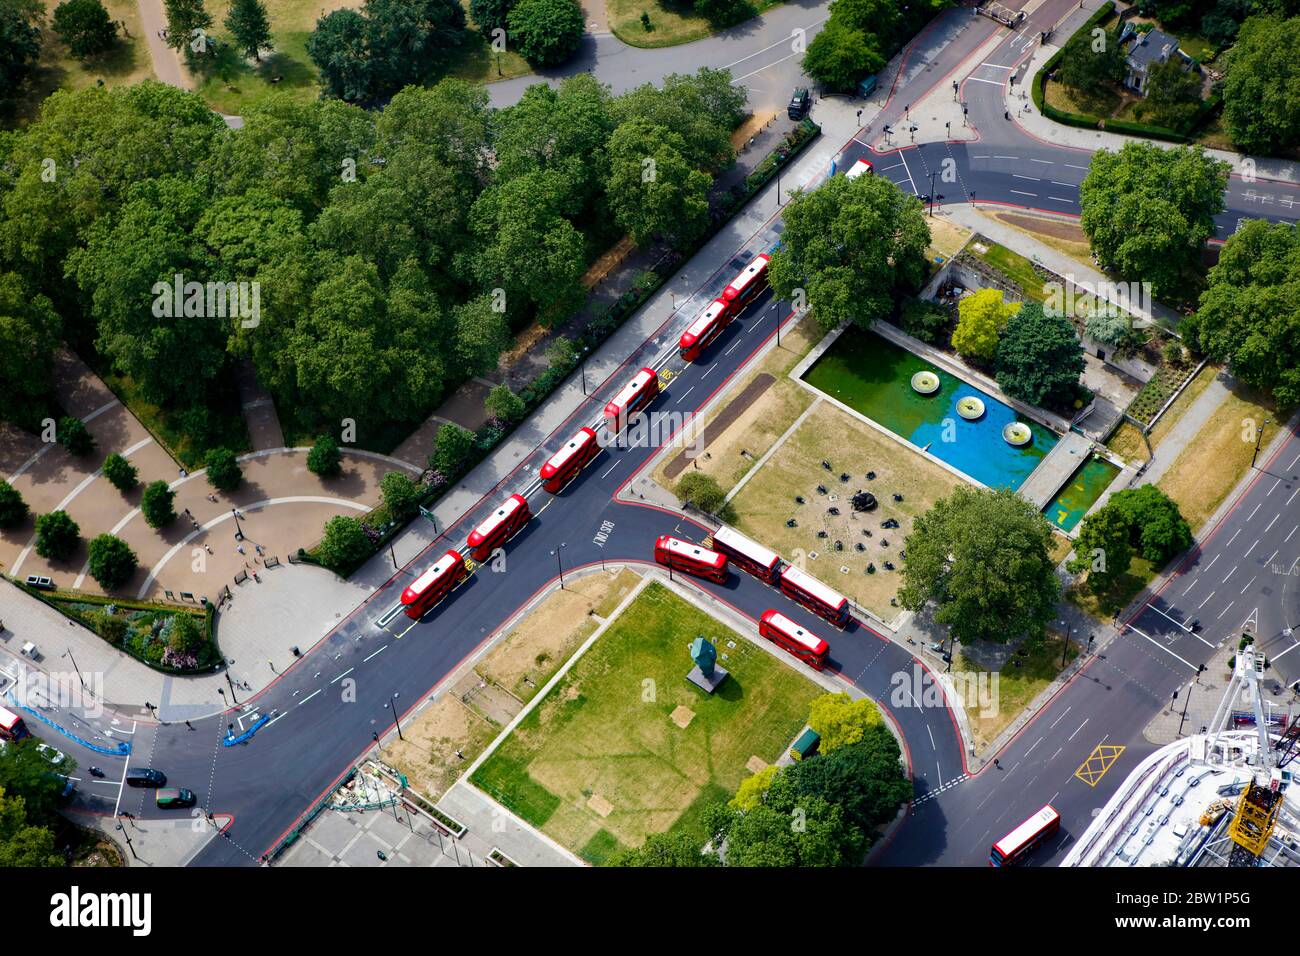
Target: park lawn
(671, 23)
(1060, 547)
(1219, 456)
(758, 427)
(600, 764)
(426, 752)
(946, 238)
(1016, 687)
(1127, 442)
(549, 634)
(1013, 265)
(1064, 98)
(853, 447)
(1054, 234)
(127, 63)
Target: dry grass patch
(1219, 456)
(1016, 688)
(550, 633)
(853, 447)
(427, 757)
(1184, 401)
(757, 427)
(946, 238)
(1065, 237)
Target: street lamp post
(559, 564)
(239, 532)
(1186, 700)
(1065, 649)
(1259, 437)
(129, 845)
(232, 687)
(585, 350)
(68, 655)
(396, 723)
(777, 317)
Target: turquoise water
(873, 376)
(1084, 487)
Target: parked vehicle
(800, 101)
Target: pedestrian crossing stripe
(1099, 761)
(934, 793)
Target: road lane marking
(1032, 179)
(376, 653)
(1203, 603)
(1021, 192)
(980, 79)
(1077, 729)
(1062, 717)
(1250, 549)
(1161, 646)
(343, 675)
(612, 467)
(309, 697)
(1251, 581)
(1230, 574)
(1256, 508)
(1225, 610)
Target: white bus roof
(795, 632)
(715, 309)
(806, 582)
(8, 718)
(629, 391)
(578, 441)
(747, 274)
(692, 550)
(1018, 837)
(742, 545)
(440, 567)
(858, 169)
(512, 504)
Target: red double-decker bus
(434, 585)
(803, 588)
(633, 397)
(746, 286)
(499, 527)
(683, 556)
(747, 555)
(1015, 846)
(785, 633)
(11, 726)
(576, 455)
(704, 330)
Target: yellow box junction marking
(1099, 761)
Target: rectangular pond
(873, 376)
(1084, 487)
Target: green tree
(401, 496)
(408, 38)
(339, 48)
(21, 842)
(20, 42)
(75, 436)
(1103, 548)
(1249, 313)
(1115, 330)
(111, 627)
(1040, 358)
(1157, 526)
(984, 558)
(665, 850)
(841, 55)
(768, 835)
(840, 720)
(490, 15)
(981, 319)
(482, 334)
(1148, 211)
(186, 22)
(56, 535)
(923, 319)
(854, 247)
(528, 249)
(1091, 63)
(1261, 86)
(157, 504)
(701, 107)
(224, 472)
(725, 13)
(1173, 95)
(30, 330)
(651, 188)
(504, 404)
(451, 450)
(13, 510)
(324, 458)
(84, 25)
(186, 638)
(865, 779)
(112, 562)
(703, 491)
(344, 544)
(546, 32)
(752, 790)
(26, 774)
(248, 24)
(121, 474)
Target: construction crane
(1288, 747)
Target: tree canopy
(1040, 358)
(1148, 211)
(1261, 86)
(984, 558)
(854, 246)
(981, 317)
(1249, 314)
(546, 32)
(84, 25)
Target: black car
(799, 103)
